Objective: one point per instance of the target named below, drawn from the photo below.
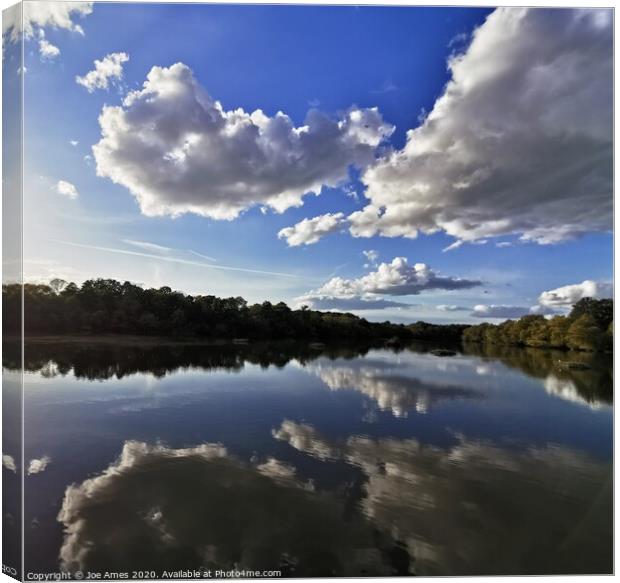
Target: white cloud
(47, 50)
(372, 256)
(74, 143)
(178, 150)
(459, 242)
(556, 301)
(106, 72)
(66, 189)
(36, 466)
(450, 308)
(397, 278)
(37, 15)
(520, 142)
(452, 246)
(8, 461)
(566, 296)
(508, 312)
(310, 231)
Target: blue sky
(336, 60)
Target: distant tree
(601, 310)
(584, 334)
(558, 328)
(589, 326)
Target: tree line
(107, 306)
(589, 326)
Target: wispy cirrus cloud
(180, 260)
(154, 247)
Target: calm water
(315, 463)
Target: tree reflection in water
(106, 360)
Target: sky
(402, 163)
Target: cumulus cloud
(106, 72)
(179, 151)
(520, 142)
(74, 143)
(37, 15)
(66, 189)
(47, 50)
(310, 231)
(507, 312)
(556, 301)
(568, 295)
(397, 278)
(38, 465)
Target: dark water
(343, 462)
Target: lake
(309, 461)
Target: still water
(316, 462)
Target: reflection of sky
(177, 503)
(489, 496)
(82, 426)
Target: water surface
(316, 462)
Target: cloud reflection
(398, 393)
(163, 508)
(477, 508)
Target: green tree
(584, 334)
